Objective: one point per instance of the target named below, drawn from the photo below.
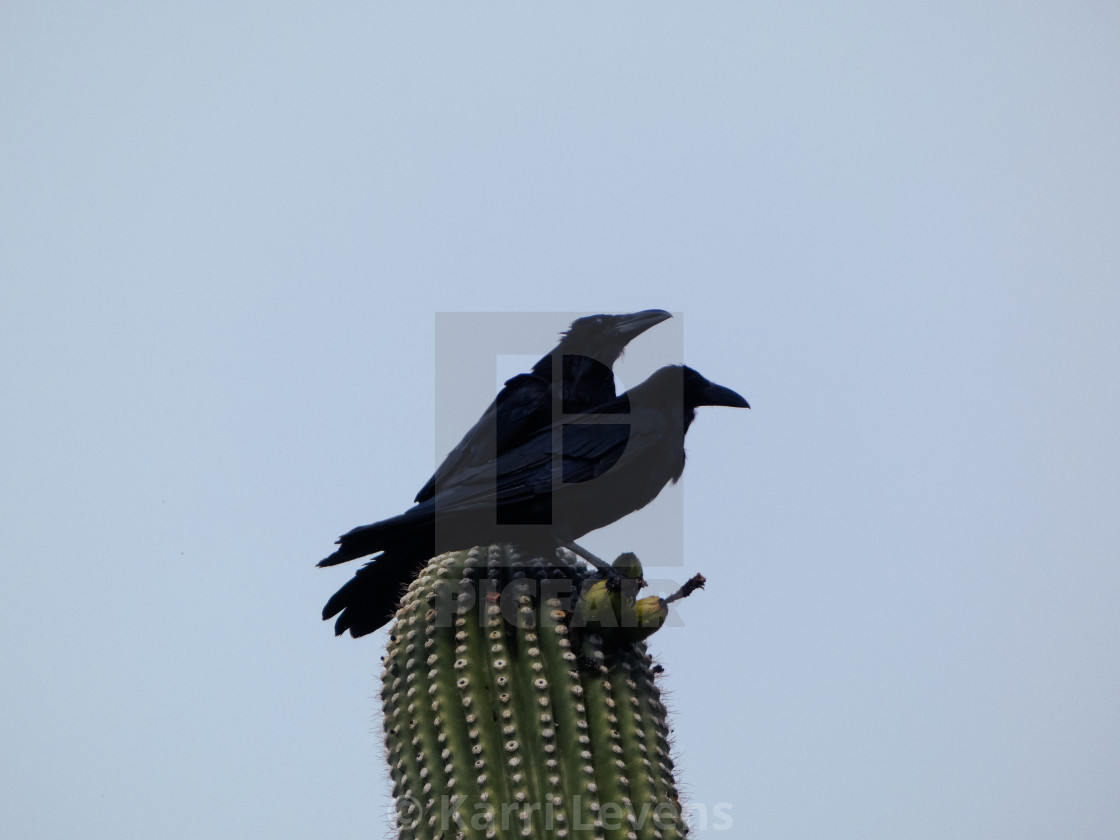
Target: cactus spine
(506, 718)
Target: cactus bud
(646, 617)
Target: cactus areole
(517, 707)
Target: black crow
(529, 402)
(614, 460)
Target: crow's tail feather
(369, 599)
(413, 528)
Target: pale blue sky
(224, 236)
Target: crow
(584, 358)
(614, 459)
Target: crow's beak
(630, 326)
(718, 395)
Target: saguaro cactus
(510, 712)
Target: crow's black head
(604, 337)
(679, 385)
(700, 391)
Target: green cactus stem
(508, 714)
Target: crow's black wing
(522, 407)
(591, 445)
